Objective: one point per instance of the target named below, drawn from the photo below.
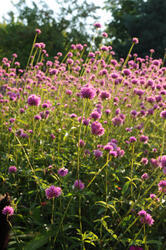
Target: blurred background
(64, 22)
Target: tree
(138, 18)
(16, 35)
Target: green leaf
(38, 241)
(125, 187)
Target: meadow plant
(83, 148)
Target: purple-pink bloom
(34, 100)
(104, 95)
(162, 186)
(135, 40)
(8, 210)
(117, 121)
(95, 115)
(144, 138)
(98, 153)
(53, 192)
(79, 184)
(81, 143)
(144, 161)
(97, 25)
(163, 114)
(145, 218)
(145, 176)
(135, 248)
(88, 92)
(163, 161)
(12, 169)
(38, 31)
(63, 171)
(132, 139)
(97, 129)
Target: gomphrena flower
(53, 192)
(163, 161)
(154, 197)
(97, 25)
(63, 171)
(97, 128)
(88, 92)
(12, 169)
(97, 153)
(104, 34)
(132, 139)
(135, 248)
(34, 100)
(104, 95)
(163, 114)
(8, 210)
(145, 218)
(162, 186)
(79, 184)
(144, 138)
(81, 143)
(145, 176)
(135, 40)
(95, 115)
(38, 31)
(144, 161)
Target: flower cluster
(145, 218)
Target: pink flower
(97, 129)
(8, 210)
(97, 25)
(34, 100)
(63, 171)
(38, 31)
(145, 218)
(88, 92)
(79, 184)
(53, 192)
(135, 40)
(145, 176)
(12, 169)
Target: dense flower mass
(85, 115)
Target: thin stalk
(132, 168)
(99, 171)
(60, 224)
(127, 58)
(31, 51)
(53, 206)
(79, 136)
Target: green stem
(99, 171)
(53, 206)
(60, 224)
(127, 58)
(31, 51)
(79, 136)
